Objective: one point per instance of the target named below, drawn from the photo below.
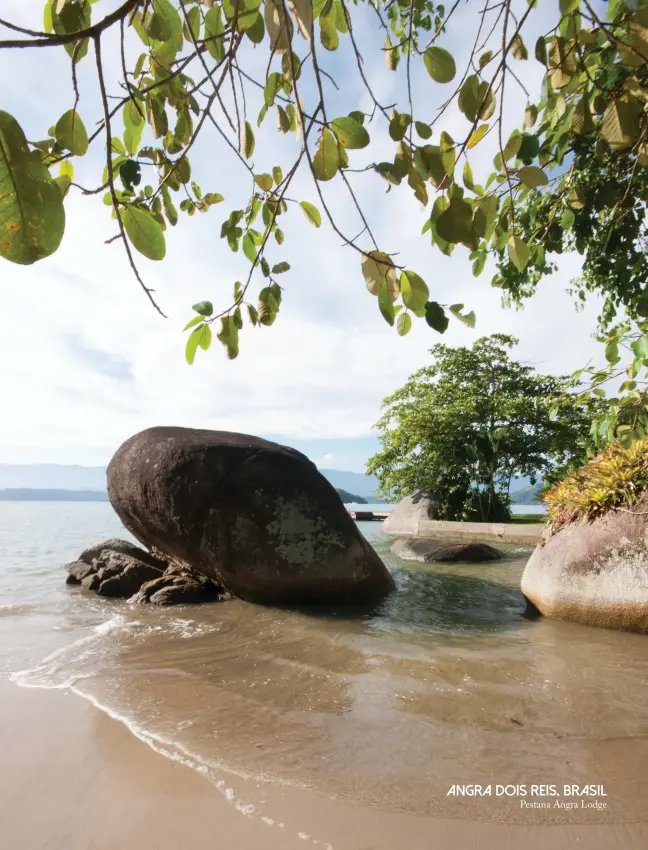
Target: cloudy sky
(86, 362)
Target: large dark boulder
(436, 551)
(595, 572)
(254, 515)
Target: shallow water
(445, 682)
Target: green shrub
(616, 477)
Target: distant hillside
(26, 494)
(527, 495)
(353, 482)
(349, 498)
(51, 476)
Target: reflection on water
(445, 682)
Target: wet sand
(74, 778)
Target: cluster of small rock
(121, 570)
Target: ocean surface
(447, 681)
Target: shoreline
(75, 777)
(519, 534)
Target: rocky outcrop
(253, 515)
(436, 551)
(407, 515)
(123, 547)
(122, 570)
(595, 572)
(179, 585)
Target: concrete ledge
(487, 532)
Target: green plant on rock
(615, 479)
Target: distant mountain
(52, 476)
(349, 498)
(526, 495)
(353, 482)
(26, 494)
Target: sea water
(446, 682)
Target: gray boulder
(186, 592)
(253, 515)
(123, 583)
(435, 551)
(78, 570)
(179, 588)
(594, 573)
(407, 515)
(100, 551)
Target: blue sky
(86, 362)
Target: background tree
(463, 427)
(571, 175)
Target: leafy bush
(615, 478)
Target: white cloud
(87, 362)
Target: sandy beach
(74, 778)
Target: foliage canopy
(463, 427)
(572, 176)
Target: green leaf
(229, 336)
(485, 58)
(612, 352)
(312, 213)
(71, 134)
(200, 337)
(423, 130)
(263, 181)
(541, 51)
(71, 18)
(415, 292)
(518, 252)
(191, 28)
(277, 174)
(328, 32)
(248, 140)
(532, 176)
(478, 135)
(404, 324)
(435, 317)
(569, 6)
(351, 134)
(214, 30)
(32, 217)
(530, 115)
(454, 225)
(468, 319)
(326, 161)
(582, 121)
(640, 347)
(440, 64)
(621, 123)
(280, 268)
(386, 304)
(204, 308)
(144, 232)
(378, 270)
(398, 126)
(518, 48)
(193, 322)
(248, 246)
(392, 57)
(165, 23)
